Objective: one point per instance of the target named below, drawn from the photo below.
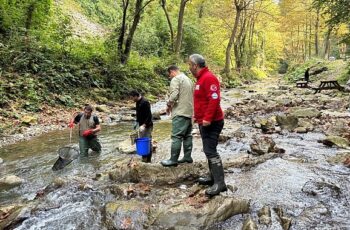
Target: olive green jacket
(181, 96)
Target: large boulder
(102, 108)
(10, 181)
(305, 112)
(199, 212)
(126, 147)
(29, 120)
(287, 122)
(249, 224)
(262, 145)
(132, 170)
(8, 215)
(126, 214)
(337, 141)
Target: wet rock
(132, 170)
(1, 161)
(127, 118)
(126, 147)
(337, 141)
(300, 130)
(287, 122)
(102, 108)
(113, 117)
(268, 125)
(286, 222)
(307, 125)
(338, 128)
(249, 224)
(29, 120)
(264, 215)
(156, 116)
(57, 183)
(340, 158)
(10, 181)
(322, 189)
(9, 215)
(223, 138)
(305, 112)
(131, 214)
(262, 145)
(347, 162)
(189, 215)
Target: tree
(239, 5)
(180, 26)
(124, 45)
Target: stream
(313, 191)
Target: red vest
(206, 97)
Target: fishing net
(65, 156)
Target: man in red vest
(210, 118)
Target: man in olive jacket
(180, 105)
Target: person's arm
(174, 91)
(146, 108)
(97, 124)
(212, 90)
(77, 118)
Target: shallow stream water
(312, 191)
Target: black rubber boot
(208, 179)
(172, 162)
(186, 159)
(217, 171)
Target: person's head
(173, 70)
(196, 62)
(135, 95)
(88, 110)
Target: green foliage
(297, 70)
(104, 11)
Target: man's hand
(206, 123)
(142, 128)
(71, 124)
(88, 132)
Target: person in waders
(89, 126)
(180, 105)
(210, 118)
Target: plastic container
(143, 146)
(133, 137)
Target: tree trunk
(310, 37)
(227, 68)
(137, 16)
(180, 27)
(327, 47)
(317, 26)
(239, 42)
(163, 3)
(122, 29)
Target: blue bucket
(143, 146)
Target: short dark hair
(172, 67)
(134, 93)
(88, 108)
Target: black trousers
(210, 137)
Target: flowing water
(312, 191)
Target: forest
(66, 52)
